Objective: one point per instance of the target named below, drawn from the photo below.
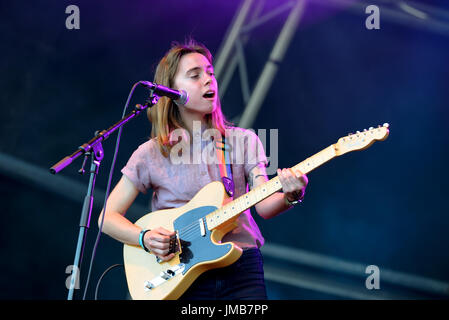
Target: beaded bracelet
(141, 236)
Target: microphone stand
(94, 149)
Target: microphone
(179, 97)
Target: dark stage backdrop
(386, 206)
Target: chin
(209, 108)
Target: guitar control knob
(386, 125)
(148, 285)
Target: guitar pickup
(202, 227)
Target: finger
(302, 177)
(291, 174)
(288, 180)
(159, 253)
(282, 178)
(290, 177)
(158, 245)
(166, 257)
(285, 182)
(165, 232)
(281, 175)
(161, 234)
(298, 173)
(159, 237)
(286, 175)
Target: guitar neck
(246, 201)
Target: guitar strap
(224, 163)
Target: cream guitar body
(204, 253)
(200, 225)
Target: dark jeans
(242, 280)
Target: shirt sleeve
(137, 170)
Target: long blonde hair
(165, 116)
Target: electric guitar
(200, 225)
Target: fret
(316, 160)
(265, 190)
(239, 205)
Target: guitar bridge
(164, 276)
(175, 244)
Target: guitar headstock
(361, 140)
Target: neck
(194, 122)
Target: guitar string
(192, 225)
(238, 202)
(190, 229)
(185, 234)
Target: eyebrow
(198, 68)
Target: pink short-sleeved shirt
(175, 182)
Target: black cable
(117, 143)
(104, 273)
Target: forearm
(272, 206)
(118, 227)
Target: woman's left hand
(293, 183)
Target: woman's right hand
(158, 242)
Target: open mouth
(209, 94)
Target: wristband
(141, 236)
(292, 203)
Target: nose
(208, 79)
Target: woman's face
(196, 76)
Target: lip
(210, 98)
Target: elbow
(262, 212)
(101, 221)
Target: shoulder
(146, 150)
(148, 147)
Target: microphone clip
(152, 99)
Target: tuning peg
(371, 128)
(386, 125)
(364, 130)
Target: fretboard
(246, 201)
